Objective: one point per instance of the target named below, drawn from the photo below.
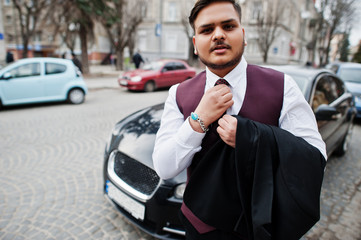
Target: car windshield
(155, 66)
(350, 74)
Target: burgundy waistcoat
(262, 103)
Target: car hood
(135, 134)
(353, 87)
(140, 72)
(135, 137)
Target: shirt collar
(233, 77)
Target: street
(51, 163)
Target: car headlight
(179, 190)
(136, 79)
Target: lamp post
(2, 37)
(159, 27)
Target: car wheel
(342, 148)
(76, 96)
(149, 86)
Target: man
(77, 62)
(9, 57)
(183, 138)
(137, 59)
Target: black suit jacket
(268, 187)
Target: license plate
(123, 82)
(130, 205)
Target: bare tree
(334, 14)
(62, 23)
(120, 19)
(189, 33)
(30, 13)
(268, 23)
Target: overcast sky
(355, 36)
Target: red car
(158, 74)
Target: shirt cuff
(188, 137)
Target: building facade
(165, 32)
(43, 42)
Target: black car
(152, 204)
(351, 74)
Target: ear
(194, 45)
(244, 37)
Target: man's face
(219, 37)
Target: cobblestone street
(341, 195)
(51, 163)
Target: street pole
(161, 26)
(2, 37)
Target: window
(171, 42)
(26, 70)
(37, 37)
(179, 66)
(54, 68)
(256, 10)
(172, 11)
(10, 38)
(328, 89)
(350, 74)
(8, 19)
(168, 67)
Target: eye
(229, 27)
(206, 30)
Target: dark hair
(200, 4)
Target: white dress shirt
(176, 141)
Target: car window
(26, 70)
(350, 74)
(153, 66)
(328, 89)
(54, 68)
(169, 67)
(179, 66)
(332, 67)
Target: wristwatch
(195, 117)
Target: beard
(233, 62)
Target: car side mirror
(326, 113)
(6, 76)
(164, 70)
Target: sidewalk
(102, 71)
(102, 76)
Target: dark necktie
(221, 81)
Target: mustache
(218, 45)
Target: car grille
(138, 176)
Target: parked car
(36, 80)
(351, 74)
(158, 74)
(152, 204)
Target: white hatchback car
(36, 80)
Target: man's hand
(227, 129)
(213, 104)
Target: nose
(218, 34)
